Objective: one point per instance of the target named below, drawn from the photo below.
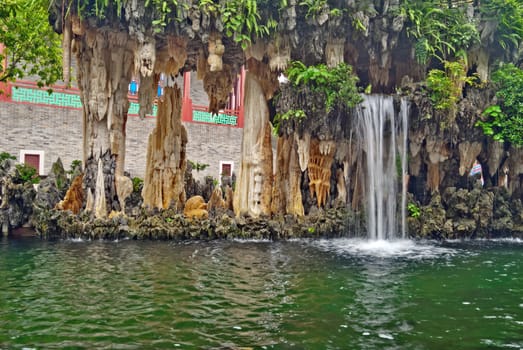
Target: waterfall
(378, 132)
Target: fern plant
(440, 29)
(338, 84)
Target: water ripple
(308, 294)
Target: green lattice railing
(21, 94)
(206, 117)
(37, 96)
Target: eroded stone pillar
(252, 195)
(105, 63)
(166, 155)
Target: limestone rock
(195, 207)
(252, 194)
(216, 201)
(124, 187)
(166, 158)
(319, 169)
(468, 152)
(74, 198)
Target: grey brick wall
(58, 133)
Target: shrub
(504, 121)
(27, 173)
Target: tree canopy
(32, 48)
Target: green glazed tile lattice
(43, 97)
(206, 117)
(59, 99)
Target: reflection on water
(334, 294)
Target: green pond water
(336, 294)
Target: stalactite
(294, 198)
(201, 66)
(286, 194)
(334, 51)
(341, 187)
(279, 52)
(495, 155)
(319, 169)
(267, 78)
(281, 176)
(166, 163)
(105, 63)
(145, 58)
(514, 168)
(468, 152)
(433, 176)
(254, 183)
(303, 149)
(256, 51)
(216, 50)
(218, 85)
(172, 57)
(437, 153)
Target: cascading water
(378, 132)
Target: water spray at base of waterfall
(400, 248)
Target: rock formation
(74, 198)
(195, 207)
(166, 159)
(319, 159)
(254, 181)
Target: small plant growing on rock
(414, 210)
(338, 84)
(5, 155)
(27, 173)
(137, 184)
(198, 166)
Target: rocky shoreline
(454, 214)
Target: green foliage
(6, 155)
(75, 164)
(338, 84)
(242, 21)
(137, 184)
(295, 114)
(198, 166)
(27, 173)
(414, 210)
(446, 87)
(32, 48)
(441, 28)
(314, 7)
(508, 15)
(504, 122)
